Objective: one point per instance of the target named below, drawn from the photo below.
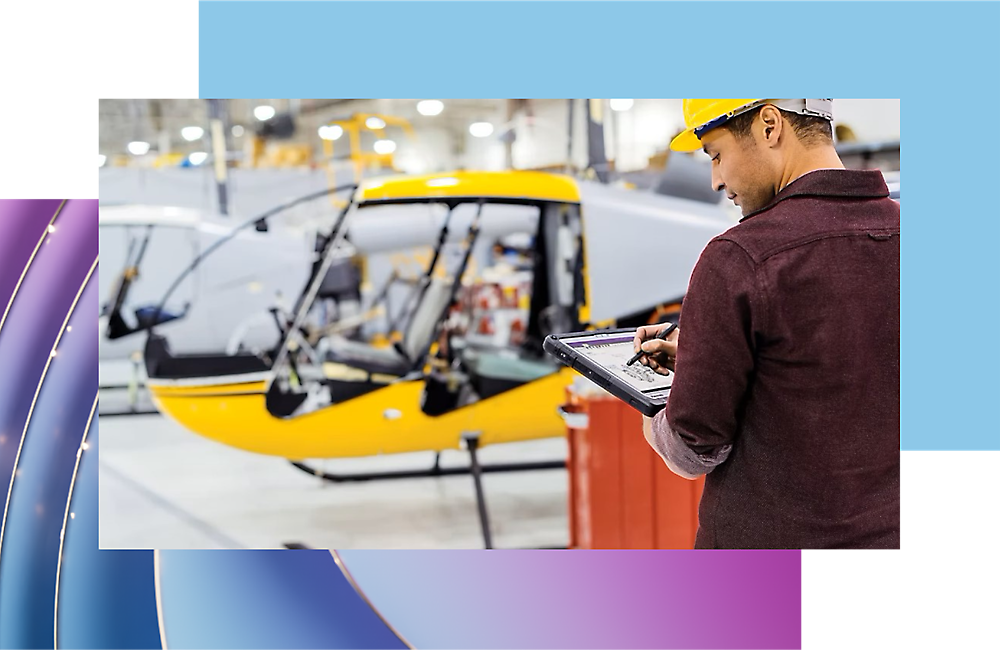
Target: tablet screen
(612, 351)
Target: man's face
(741, 168)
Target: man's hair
(809, 129)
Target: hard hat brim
(686, 141)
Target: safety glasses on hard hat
(816, 107)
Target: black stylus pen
(662, 336)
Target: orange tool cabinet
(621, 494)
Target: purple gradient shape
(22, 223)
(106, 598)
(586, 599)
(37, 315)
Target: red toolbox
(621, 494)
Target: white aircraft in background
(225, 302)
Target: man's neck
(812, 160)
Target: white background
(58, 58)
(939, 591)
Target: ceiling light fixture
(263, 113)
(481, 129)
(430, 107)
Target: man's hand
(661, 354)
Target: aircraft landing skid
(470, 442)
(133, 402)
(133, 386)
(122, 414)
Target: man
(787, 386)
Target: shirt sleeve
(715, 360)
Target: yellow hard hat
(702, 115)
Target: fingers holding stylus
(659, 353)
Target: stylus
(662, 335)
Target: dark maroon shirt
(789, 353)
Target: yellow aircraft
(470, 357)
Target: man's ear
(770, 125)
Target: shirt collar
(831, 182)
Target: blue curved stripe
(44, 470)
(35, 319)
(264, 599)
(107, 599)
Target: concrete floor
(163, 487)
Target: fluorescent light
(621, 104)
(330, 132)
(138, 148)
(481, 129)
(385, 146)
(237, 131)
(375, 123)
(198, 157)
(101, 159)
(192, 133)
(430, 107)
(263, 113)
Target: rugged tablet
(601, 356)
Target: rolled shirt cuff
(681, 459)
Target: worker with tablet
(786, 392)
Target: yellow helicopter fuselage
(387, 420)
